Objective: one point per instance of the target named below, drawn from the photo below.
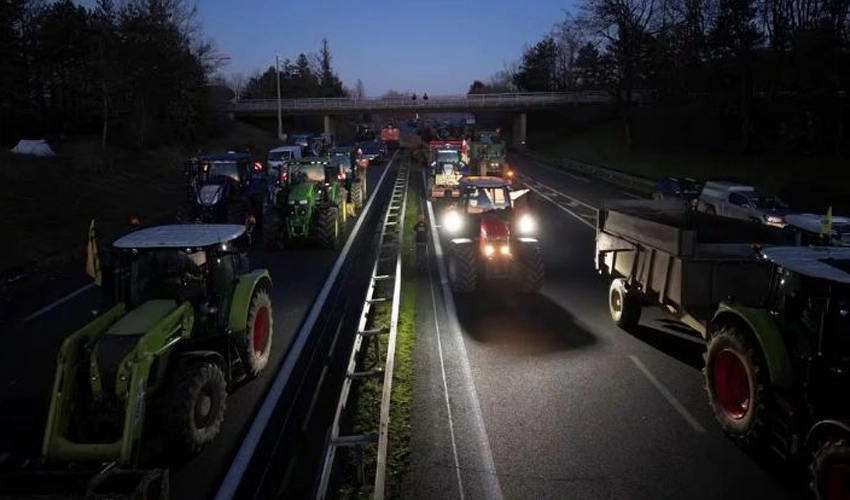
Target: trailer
(774, 316)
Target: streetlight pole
(279, 111)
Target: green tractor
(354, 181)
(184, 319)
(313, 206)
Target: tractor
(446, 169)
(487, 156)
(183, 320)
(312, 208)
(224, 188)
(354, 181)
(491, 233)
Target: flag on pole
(826, 228)
(92, 260)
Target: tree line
(307, 76)
(759, 74)
(136, 72)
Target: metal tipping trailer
(684, 261)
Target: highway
(543, 397)
(29, 354)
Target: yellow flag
(826, 228)
(92, 260)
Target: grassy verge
(793, 176)
(367, 394)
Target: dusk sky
(437, 46)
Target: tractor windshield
(487, 199)
(225, 169)
(280, 156)
(448, 156)
(314, 172)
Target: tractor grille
(110, 352)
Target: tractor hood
(210, 194)
(494, 228)
(302, 192)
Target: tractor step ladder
(384, 291)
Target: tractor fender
(826, 428)
(766, 332)
(245, 285)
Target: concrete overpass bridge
(518, 103)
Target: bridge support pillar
(330, 126)
(520, 129)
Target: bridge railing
(469, 100)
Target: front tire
(736, 380)
(831, 471)
(256, 345)
(531, 270)
(625, 307)
(196, 402)
(463, 268)
(327, 227)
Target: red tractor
(492, 237)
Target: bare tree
(359, 91)
(236, 81)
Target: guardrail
(610, 175)
(527, 99)
(387, 269)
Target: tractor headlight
(505, 250)
(774, 220)
(302, 202)
(292, 202)
(489, 250)
(453, 222)
(527, 224)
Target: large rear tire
(625, 307)
(256, 345)
(327, 227)
(831, 471)
(357, 194)
(736, 380)
(196, 402)
(463, 268)
(531, 269)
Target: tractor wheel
(709, 209)
(831, 471)
(272, 229)
(531, 270)
(195, 405)
(357, 194)
(736, 380)
(256, 346)
(625, 307)
(327, 227)
(463, 268)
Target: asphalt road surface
(29, 352)
(543, 397)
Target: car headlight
(527, 224)
(453, 222)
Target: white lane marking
(577, 216)
(445, 384)
(668, 395)
(531, 182)
(491, 480)
(630, 195)
(579, 178)
(59, 302)
(240, 463)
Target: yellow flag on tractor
(826, 228)
(92, 260)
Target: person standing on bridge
(413, 97)
(425, 97)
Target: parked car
(678, 188)
(740, 201)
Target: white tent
(38, 147)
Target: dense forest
(751, 74)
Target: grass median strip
(359, 465)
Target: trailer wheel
(531, 270)
(625, 307)
(463, 268)
(196, 403)
(736, 380)
(257, 342)
(831, 471)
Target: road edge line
(230, 483)
(565, 209)
(56, 303)
(679, 407)
(492, 483)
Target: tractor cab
(225, 188)
(195, 263)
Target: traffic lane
(30, 348)
(580, 420)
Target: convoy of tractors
(185, 318)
